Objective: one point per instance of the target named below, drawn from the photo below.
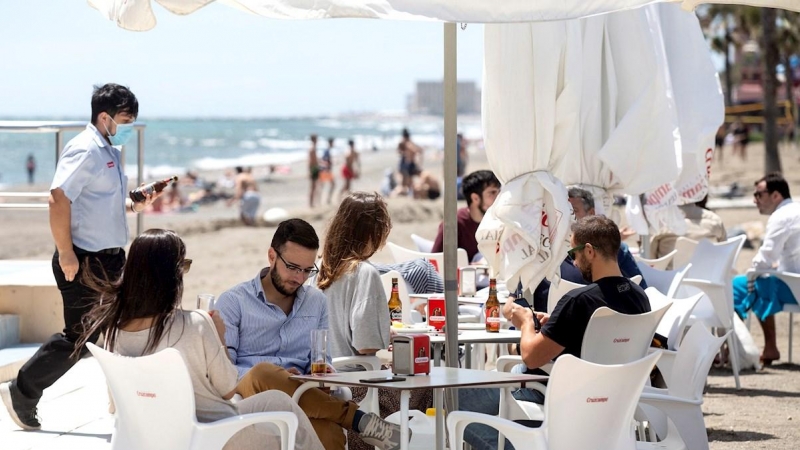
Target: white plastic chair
(610, 338)
(677, 316)
(793, 281)
(665, 281)
(711, 274)
(370, 402)
(423, 245)
(587, 406)
(637, 279)
(685, 248)
(685, 372)
(556, 292)
(410, 316)
(155, 406)
(659, 263)
(402, 254)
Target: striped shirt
(420, 275)
(259, 331)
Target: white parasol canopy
(588, 102)
(137, 15)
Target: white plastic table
(439, 379)
(469, 337)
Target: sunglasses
(758, 194)
(296, 269)
(571, 252)
(186, 264)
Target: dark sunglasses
(571, 252)
(758, 194)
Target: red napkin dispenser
(411, 354)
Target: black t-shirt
(567, 323)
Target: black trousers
(53, 359)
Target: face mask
(124, 133)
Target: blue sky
(216, 62)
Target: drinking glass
(205, 302)
(319, 352)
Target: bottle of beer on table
(140, 193)
(492, 308)
(395, 305)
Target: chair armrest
(216, 434)
(700, 283)
(367, 362)
(665, 362)
(655, 399)
(505, 363)
(519, 435)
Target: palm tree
(769, 45)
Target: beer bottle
(395, 305)
(140, 193)
(492, 308)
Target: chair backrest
(402, 254)
(591, 406)
(637, 279)
(615, 338)
(423, 245)
(693, 361)
(153, 396)
(714, 261)
(659, 263)
(402, 289)
(665, 281)
(556, 292)
(685, 248)
(677, 316)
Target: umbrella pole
(450, 231)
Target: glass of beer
(319, 352)
(205, 302)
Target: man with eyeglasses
(268, 324)
(779, 250)
(595, 243)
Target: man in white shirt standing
(779, 250)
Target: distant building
(429, 98)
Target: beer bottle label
(493, 315)
(396, 315)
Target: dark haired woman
(140, 314)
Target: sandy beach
(763, 414)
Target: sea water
(173, 146)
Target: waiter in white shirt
(88, 202)
(780, 250)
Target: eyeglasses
(186, 264)
(571, 252)
(758, 194)
(298, 270)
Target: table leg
(437, 354)
(405, 397)
(467, 355)
(438, 403)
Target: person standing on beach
(313, 169)
(410, 162)
(326, 169)
(88, 201)
(351, 167)
(30, 166)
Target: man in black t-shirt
(595, 243)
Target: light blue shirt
(90, 174)
(258, 331)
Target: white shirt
(782, 239)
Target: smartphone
(389, 379)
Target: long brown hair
(358, 230)
(151, 286)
